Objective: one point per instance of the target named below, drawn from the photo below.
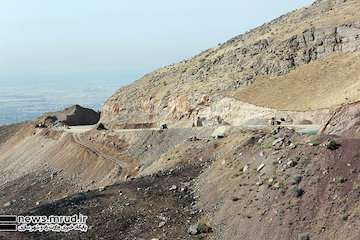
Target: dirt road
(122, 165)
(298, 128)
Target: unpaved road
(121, 164)
(298, 128)
(85, 128)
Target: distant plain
(22, 101)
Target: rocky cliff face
(179, 92)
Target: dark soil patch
(129, 210)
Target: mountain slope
(181, 91)
(261, 182)
(320, 84)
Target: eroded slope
(178, 92)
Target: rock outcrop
(178, 92)
(345, 121)
(269, 181)
(71, 116)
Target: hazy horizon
(76, 44)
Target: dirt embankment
(266, 189)
(344, 121)
(145, 208)
(160, 204)
(245, 185)
(8, 131)
(94, 158)
(32, 150)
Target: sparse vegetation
(267, 144)
(254, 184)
(296, 180)
(333, 145)
(304, 236)
(345, 217)
(297, 192)
(341, 179)
(311, 133)
(204, 225)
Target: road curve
(120, 164)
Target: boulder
(219, 132)
(193, 230)
(199, 228)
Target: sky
(76, 40)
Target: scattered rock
(259, 183)
(199, 228)
(173, 188)
(341, 179)
(275, 130)
(278, 142)
(259, 168)
(235, 199)
(219, 132)
(291, 164)
(292, 146)
(161, 224)
(193, 229)
(193, 139)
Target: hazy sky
(105, 39)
